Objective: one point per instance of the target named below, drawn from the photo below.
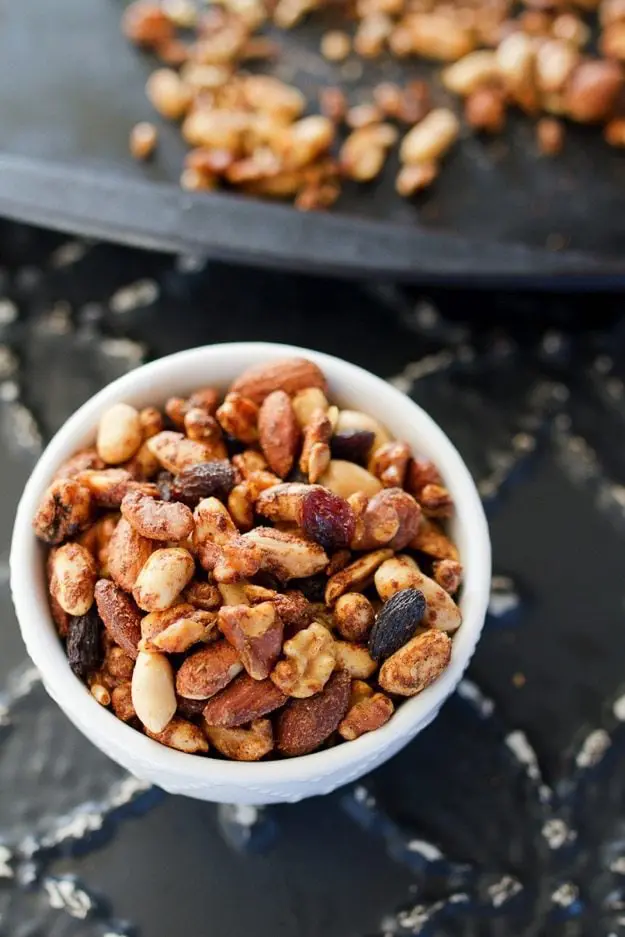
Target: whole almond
(417, 664)
(127, 552)
(208, 671)
(306, 723)
(289, 375)
(243, 701)
(121, 617)
(153, 695)
(279, 432)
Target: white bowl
(227, 781)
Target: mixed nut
(260, 574)
(250, 130)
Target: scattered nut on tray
(263, 574)
(248, 131)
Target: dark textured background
(506, 816)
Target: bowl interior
(218, 365)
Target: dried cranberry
(84, 644)
(313, 587)
(164, 481)
(204, 480)
(328, 519)
(396, 623)
(354, 445)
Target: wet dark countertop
(507, 815)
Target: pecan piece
(417, 664)
(121, 617)
(207, 671)
(243, 701)
(430, 539)
(256, 633)
(63, 511)
(305, 724)
(243, 744)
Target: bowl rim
(46, 651)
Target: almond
(279, 432)
(127, 553)
(256, 633)
(208, 671)
(243, 701)
(121, 617)
(306, 723)
(289, 375)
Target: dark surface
(498, 209)
(505, 817)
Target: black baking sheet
(71, 88)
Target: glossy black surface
(505, 817)
(498, 208)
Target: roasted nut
(355, 659)
(162, 578)
(64, 510)
(127, 553)
(156, 622)
(346, 478)
(412, 179)
(283, 502)
(366, 716)
(516, 62)
(436, 501)
(390, 462)
(108, 486)
(151, 422)
(143, 140)
(289, 375)
(97, 539)
(304, 724)
(100, 694)
(430, 139)
(249, 462)
(121, 617)
(121, 701)
(145, 24)
(555, 61)
(168, 93)
(592, 91)
(118, 666)
(394, 575)
(249, 744)
(242, 499)
(238, 416)
(333, 104)
(417, 664)
(430, 539)
(119, 434)
(396, 623)
(391, 517)
(214, 531)
(362, 156)
(207, 671)
(306, 402)
(441, 37)
(310, 660)
(485, 109)
(315, 456)
(612, 43)
(550, 135)
(175, 452)
(448, 575)
(82, 461)
(243, 701)
(186, 631)
(356, 576)
(182, 735)
(335, 45)
(73, 578)
(354, 616)
(144, 465)
(201, 426)
(403, 573)
(256, 633)
(157, 520)
(279, 432)
(421, 472)
(203, 595)
(471, 72)
(286, 555)
(153, 695)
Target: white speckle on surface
(503, 596)
(19, 685)
(417, 370)
(503, 890)
(618, 865)
(8, 311)
(134, 296)
(556, 832)
(428, 850)
(471, 692)
(5, 863)
(190, 263)
(55, 321)
(9, 391)
(565, 894)
(66, 895)
(618, 708)
(123, 349)
(603, 364)
(520, 747)
(552, 343)
(69, 253)
(592, 749)
(8, 363)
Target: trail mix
(260, 574)
(249, 130)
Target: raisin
(234, 445)
(313, 587)
(396, 623)
(204, 480)
(84, 644)
(328, 519)
(164, 481)
(354, 445)
(190, 708)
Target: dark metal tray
(71, 88)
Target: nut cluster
(260, 574)
(249, 130)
